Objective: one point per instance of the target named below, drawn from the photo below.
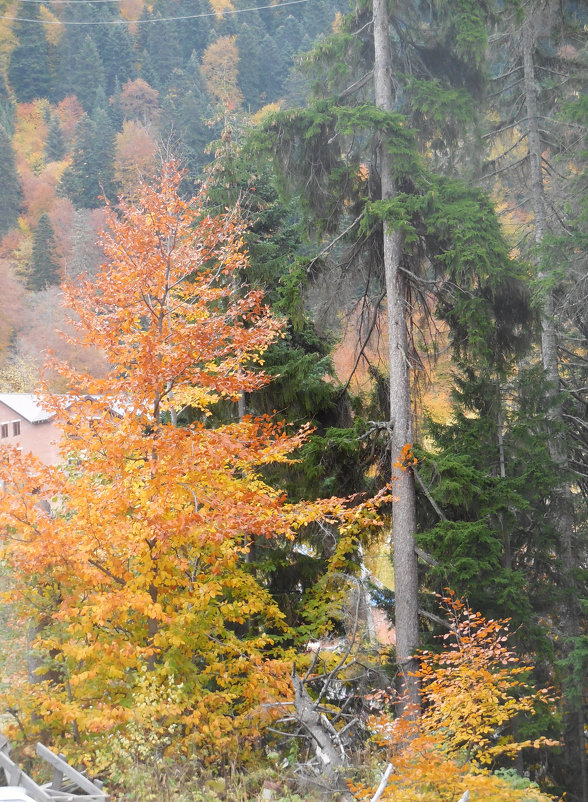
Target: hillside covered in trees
(303, 284)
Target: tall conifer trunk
(563, 507)
(403, 508)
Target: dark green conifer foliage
(6, 107)
(194, 34)
(89, 76)
(491, 477)
(29, 68)
(11, 195)
(317, 18)
(303, 386)
(270, 84)
(288, 38)
(101, 105)
(70, 45)
(44, 269)
(163, 46)
(186, 112)
(143, 30)
(563, 267)
(539, 73)
(454, 254)
(249, 47)
(118, 57)
(90, 178)
(146, 70)
(55, 145)
(480, 291)
(115, 107)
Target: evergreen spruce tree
(288, 39)
(11, 196)
(44, 269)
(116, 110)
(187, 109)
(118, 57)
(194, 34)
(101, 106)
(485, 490)
(541, 68)
(90, 76)
(143, 31)
(6, 107)
(303, 386)
(90, 177)
(356, 165)
(249, 47)
(270, 85)
(29, 69)
(317, 18)
(146, 70)
(55, 145)
(70, 46)
(163, 47)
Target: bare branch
(383, 783)
(355, 87)
(435, 618)
(107, 572)
(428, 494)
(365, 343)
(328, 247)
(506, 127)
(427, 558)
(499, 170)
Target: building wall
(41, 439)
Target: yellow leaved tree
(129, 560)
(472, 692)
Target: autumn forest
(301, 288)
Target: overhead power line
(228, 11)
(67, 2)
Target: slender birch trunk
(403, 508)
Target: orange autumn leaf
(129, 560)
(471, 691)
(406, 459)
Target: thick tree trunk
(403, 508)
(563, 507)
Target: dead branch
(355, 87)
(428, 494)
(383, 783)
(314, 723)
(427, 558)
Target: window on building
(15, 428)
(4, 430)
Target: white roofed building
(26, 424)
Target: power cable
(232, 11)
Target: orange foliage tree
(472, 692)
(219, 69)
(134, 156)
(70, 112)
(140, 102)
(147, 618)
